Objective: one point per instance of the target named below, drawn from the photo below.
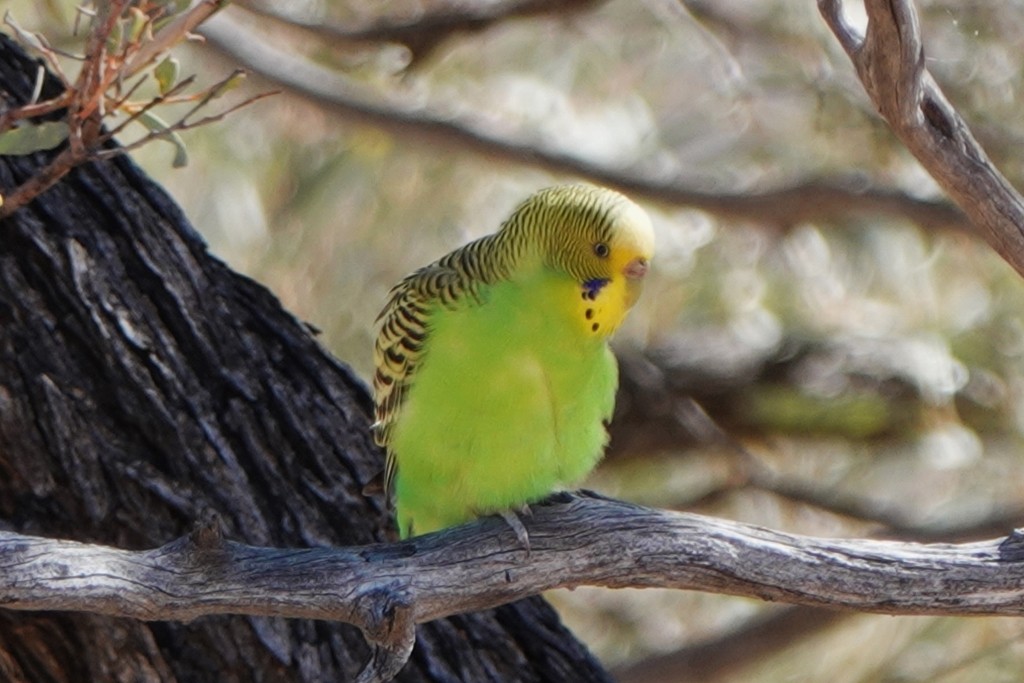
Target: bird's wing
(404, 330)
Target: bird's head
(602, 240)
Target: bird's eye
(602, 250)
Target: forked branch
(124, 42)
(889, 60)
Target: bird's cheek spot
(590, 313)
(595, 326)
(593, 287)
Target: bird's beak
(634, 271)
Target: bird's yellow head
(598, 237)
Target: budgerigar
(494, 379)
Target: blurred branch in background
(726, 655)
(662, 405)
(403, 116)
(424, 31)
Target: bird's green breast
(508, 403)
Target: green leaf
(176, 6)
(139, 22)
(33, 137)
(230, 84)
(156, 125)
(115, 37)
(166, 73)
(171, 8)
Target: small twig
(92, 80)
(30, 111)
(37, 43)
(124, 97)
(180, 86)
(212, 118)
(97, 91)
(176, 127)
(173, 33)
(43, 180)
(211, 93)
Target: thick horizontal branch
(575, 540)
(803, 202)
(890, 63)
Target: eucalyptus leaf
(115, 37)
(230, 84)
(166, 73)
(139, 22)
(156, 125)
(33, 137)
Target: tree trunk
(144, 386)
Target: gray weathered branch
(575, 540)
(808, 201)
(890, 63)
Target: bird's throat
(601, 307)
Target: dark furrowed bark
(144, 387)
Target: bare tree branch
(387, 589)
(894, 522)
(654, 391)
(890, 63)
(808, 201)
(114, 53)
(731, 652)
(423, 33)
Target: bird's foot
(512, 519)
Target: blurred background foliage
(861, 369)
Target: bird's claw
(512, 519)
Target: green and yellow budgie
(493, 374)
